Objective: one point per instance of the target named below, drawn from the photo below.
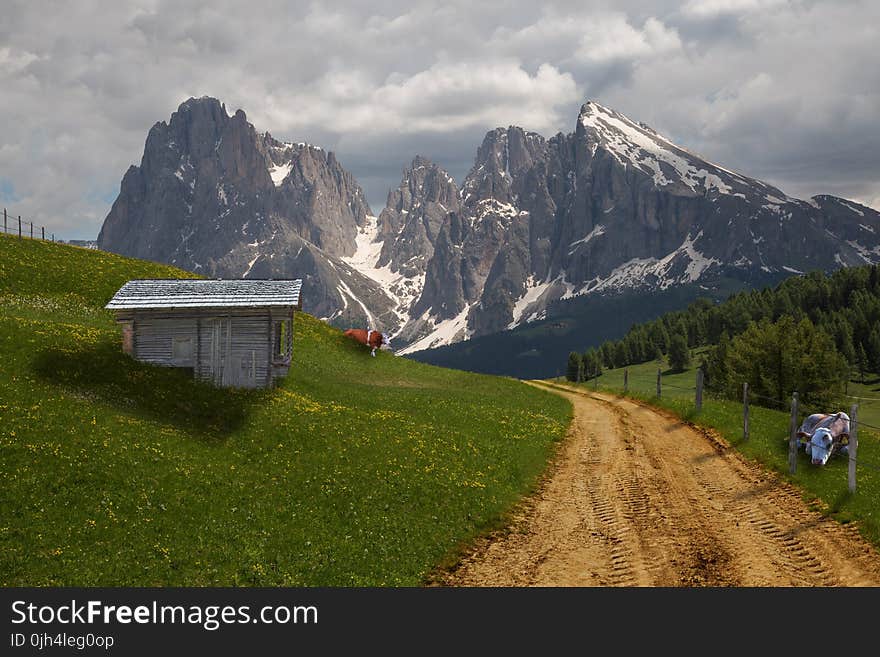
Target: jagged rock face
(612, 207)
(215, 197)
(474, 237)
(410, 223)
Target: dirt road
(637, 498)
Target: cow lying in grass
(372, 339)
(825, 434)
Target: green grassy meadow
(354, 471)
(768, 438)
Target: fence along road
(797, 412)
(637, 497)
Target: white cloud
(614, 38)
(442, 98)
(14, 61)
(871, 202)
(588, 36)
(789, 91)
(712, 8)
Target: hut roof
(200, 293)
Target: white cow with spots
(824, 434)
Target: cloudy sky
(786, 91)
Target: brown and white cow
(372, 339)
(824, 434)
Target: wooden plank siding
(154, 339)
(230, 347)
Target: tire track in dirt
(635, 497)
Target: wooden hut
(231, 332)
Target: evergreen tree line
(809, 334)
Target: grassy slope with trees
(354, 471)
(816, 334)
(810, 334)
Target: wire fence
(670, 385)
(750, 396)
(15, 226)
(876, 399)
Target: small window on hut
(181, 350)
(283, 343)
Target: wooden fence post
(626, 380)
(745, 412)
(19, 226)
(32, 230)
(699, 399)
(658, 382)
(4, 221)
(853, 446)
(792, 437)
(43, 229)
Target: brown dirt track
(637, 498)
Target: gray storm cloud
(784, 91)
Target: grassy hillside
(680, 385)
(355, 471)
(768, 442)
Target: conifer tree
(573, 371)
(679, 356)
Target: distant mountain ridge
(611, 208)
(614, 207)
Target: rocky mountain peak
(411, 221)
(615, 207)
(612, 207)
(502, 158)
(638, 146)
(214, 196)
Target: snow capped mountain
(638, 145)
(612, 207)
(214, 196)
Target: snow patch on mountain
(279, 172)
(345, 290)
(699, 263)
(864, 253)
(534, 291)
(686, 264)
(850, 206)
(574, 246)
(442, 333)
(402, 290)
(250, 266)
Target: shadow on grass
(166, 395)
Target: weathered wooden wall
(233, 348)
(154, 338)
